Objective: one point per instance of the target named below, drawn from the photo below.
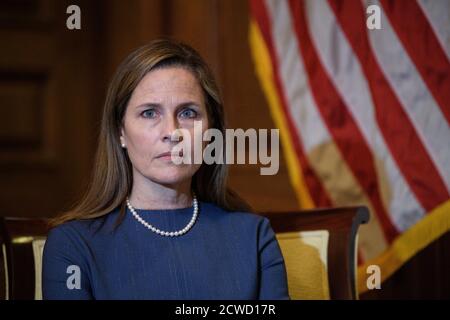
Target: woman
(148, 228)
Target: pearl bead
(166, 233)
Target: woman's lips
(168, 155)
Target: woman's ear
(122, 138)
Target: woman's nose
(170, 124)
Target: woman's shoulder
(83, 227)
(246, 218)
(243, 226)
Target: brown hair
(112, 179)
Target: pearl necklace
(166, 233)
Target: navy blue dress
(226, 255)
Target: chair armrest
(17, 236)
(342, 225)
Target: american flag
(363, 113)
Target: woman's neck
(147, 194)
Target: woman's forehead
(169, 79)
(175, 84)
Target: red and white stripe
(267, 24)
(416, 99)
(315, 124)
(438, 15)
(348, 77)
(382, 97)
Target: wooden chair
(320, 250)
(22, 243)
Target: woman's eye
(150, 113)
(188, 113)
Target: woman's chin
(171, 178)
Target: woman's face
(166, 99)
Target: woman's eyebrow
(187, 104)
(148, 105)
(158, 105)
